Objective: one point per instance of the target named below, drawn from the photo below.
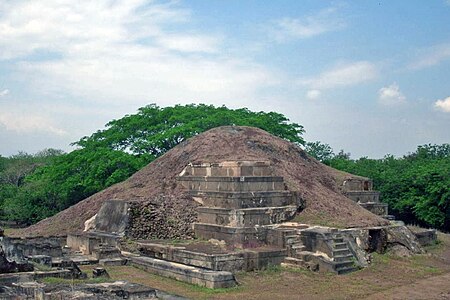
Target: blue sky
(369, 77)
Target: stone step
(189, 274)
(117, 261)
(304, 255)
(346, 270)
(338, 240)
(299, 247)
(344, 264)
(247, 217)
(341, 245)
(79, 260)
(292, 239)
(233, 184)
(105, 252)
(228, 168)
(292, 261)
(341, 258)
(236, 200)
(338, 252)
(293, 236)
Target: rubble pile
(165, 217)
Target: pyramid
(157, 186)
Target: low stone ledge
(189, 274)
(425, 236)
(238, 200)
(245, 217)
(247, 236)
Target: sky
(369, 77)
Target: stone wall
(357, 184)
(161, 219)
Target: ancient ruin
(233, 199)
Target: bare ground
(314, 182)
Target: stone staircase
(343, 258)
(331, 252)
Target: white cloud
(26, 123)
(4, 92)
(391, 95)
(286, 29)
(194, 43)
(432, 56)
(443, 105)
(116, 51)
(313, 94)
(342, 75)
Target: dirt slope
(313, 181)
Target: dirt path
(436, 287)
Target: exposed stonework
(239, 199)
(424, 236)
(360, 190)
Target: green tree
(71, 178)
(155, 130)
(320, 151)
(416, 186)
(14, 170)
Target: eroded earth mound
(312, 181)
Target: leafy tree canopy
(416, 186)
(155, 130)
(320, 151)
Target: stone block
(247, 236)
(425, 236)
(85, 243)
(229, 169)
(364, 196)
(190, 274)
(102, 252)
(88, 241)
(45, 260)
(357, 184)
(245, 217)
(233, 184)
(118, 261)
(18, 248)
(112, 217)
(236, 200)
(380, 209)
(100, 272)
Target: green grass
(41, 267)
(57, 280)
(198, 291)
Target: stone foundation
(190, 274)
(237, 200)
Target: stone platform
(360, 190)
(239, 199)
(207, 255)
(182, 272)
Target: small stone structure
(97, 291)
(239, 199)
(360, 190)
